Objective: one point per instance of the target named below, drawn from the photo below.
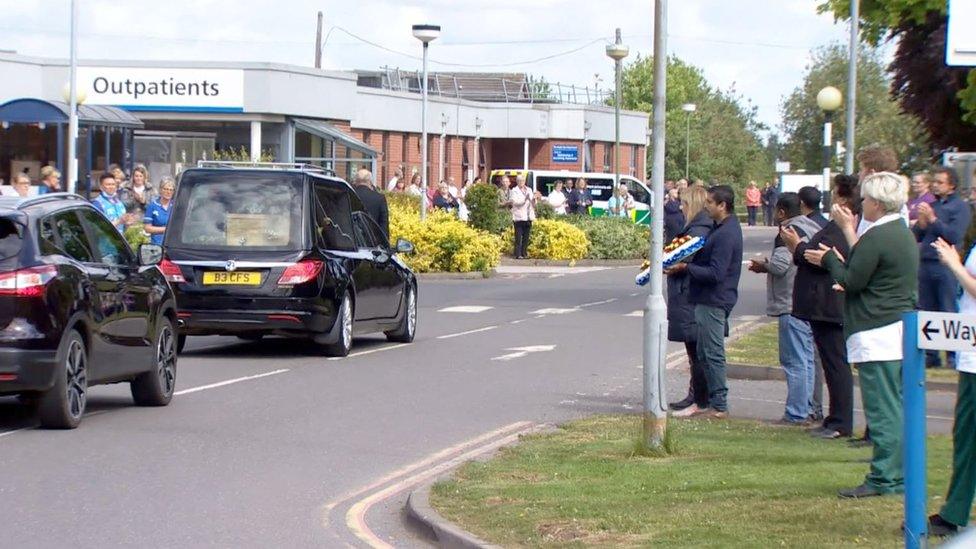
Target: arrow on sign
(523, 351)
(928, 330)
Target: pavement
(271, 444)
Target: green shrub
(135, 236)
(551, 239)
(403, 201)
(442, 243)
(544, 210)
(612, 237)
(484, 212)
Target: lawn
(760, 347)
(729, 484)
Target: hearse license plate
(235, 278)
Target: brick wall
(402, 148)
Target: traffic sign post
(916, 327)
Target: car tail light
(300, 272)
(28, 282)
(171, 271)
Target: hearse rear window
(238, 211)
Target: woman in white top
(523, 213)
(557, 198)
(954, 514)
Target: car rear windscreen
(11, 238)
(235, 210)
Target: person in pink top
(523, 213)
(753, 201)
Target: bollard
(913, 435)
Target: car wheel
(344, 344)
(408, 326)
(63, 405)
(155, 387)
(180, 343)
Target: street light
(426, 34)
(71, 184)
(617, 52)
(688, 108)
(829, 100)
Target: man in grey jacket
(795, 336)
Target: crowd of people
(838, 289)
(125, 201)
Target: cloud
(741, 41)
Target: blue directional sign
(565, 153)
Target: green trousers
(962, 487)
(881, 398)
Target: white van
(600, 186)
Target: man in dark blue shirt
(714, 289)
(946, 218)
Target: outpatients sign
(163, 89)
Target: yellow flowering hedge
(442, 243)
(551, 239)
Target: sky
(759, 47)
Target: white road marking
(635, 294)
(523, 351)
(8, 433)
(465, 309)
(356, 516)
(229, 382)
(604, 302)
(557, 275)
(519, 321)
(485, 329)
(370, 351)
(635, 313)
(554, 311)
(426, 462)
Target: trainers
(862, 491)
(786, 422)
(681, 404)
(940, 527)
(686, 412)
(711, 413)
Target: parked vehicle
(260, 249)
(599, 184)
(78, 308)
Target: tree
(879, 118)
(942, 97)
(724, 138)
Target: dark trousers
(522, 230)
(698, 386)
(752, 210)
(829, 339)
(712, 329)
(959, 500)
(768, 215)
(937, 291)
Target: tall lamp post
(688, 108)
(71, 184)
(829, 100)
(426, 34)
(617, 52)
(655, 410)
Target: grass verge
(730, 484)
(760, 347)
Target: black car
(255, 251)
(78, 308)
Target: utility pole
(71, 184)
(655, 412)
(318, 43)
(852, 88)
